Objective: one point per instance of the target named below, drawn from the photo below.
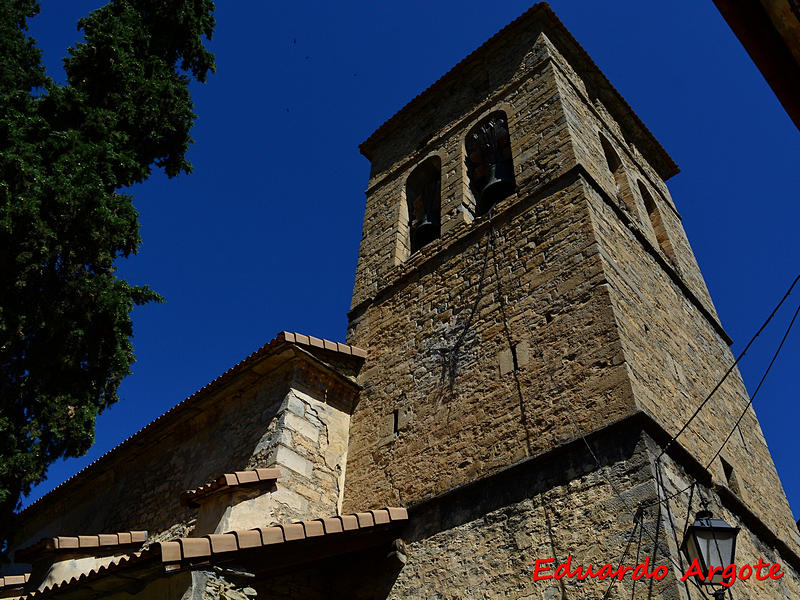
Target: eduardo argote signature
(543, 569)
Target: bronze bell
(424, 232)
(499, 184)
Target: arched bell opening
(623, 188)
(657, 222)
(489, 164)
(423, 194)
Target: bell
(424, 232)
(500, 184)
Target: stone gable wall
(141, 490)
(286, 419)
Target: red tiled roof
(663, 163)
(117, 564)
(189, 549)
(80, 542)
(12, 581)
(207, 547)
(313, 342)
(267, 349)
(228, 480)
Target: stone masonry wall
(675, 359)
(751, 545)
(525, 88)
(307, 440)
(482, 540)
(419, 428)
(586, 118)
(442, 402)
(658, 323)
(141, 490)
(535, 278)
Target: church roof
(274, 548)
(229, 480)
(311, 344)
(79, 543)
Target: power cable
(744, 412)
(758, 387)
(452, 353)
(728, 372)
(582, 434)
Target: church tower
(537, 330)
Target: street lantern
(713, 543)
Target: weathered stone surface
(286, 420)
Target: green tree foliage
(65, 152)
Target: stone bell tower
(537, 329)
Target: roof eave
(541, 12)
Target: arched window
(620, 178)
(423, 195)
(489, 164)
(657, 222)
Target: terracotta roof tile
(271, 535)
(315, 342)
(204, 547)
(397, 514)
(79, 543)
(170, 551)
(228, 480)
(381, 517)
(195, 547)
(88, 541)
(267, 349)
(349, 522)
(115, 565)
(223, 542)
(293, 531)
(249, 538)
(365, 519)
(332, 524)
(313, 528)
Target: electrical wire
(744, 412)
(728, 372)
(452, 353)
(594, 456)
(760, 383)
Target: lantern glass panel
(716, 547)
(713, 543)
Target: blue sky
(264, 235)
